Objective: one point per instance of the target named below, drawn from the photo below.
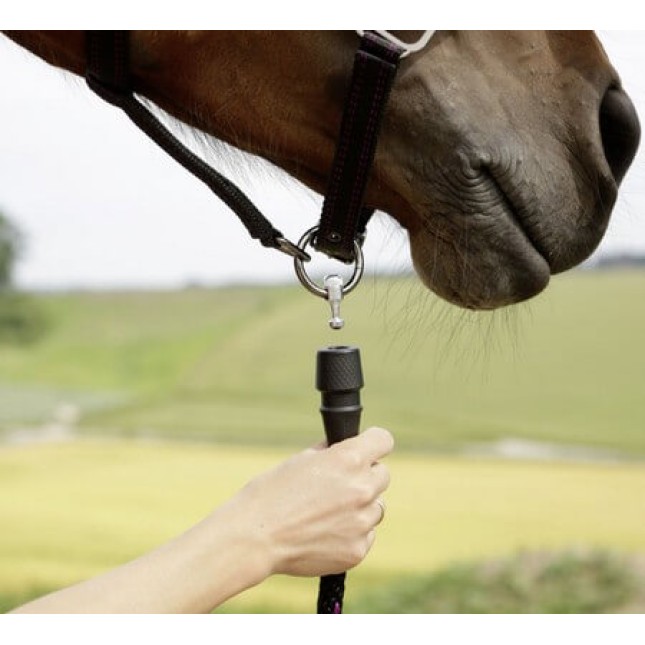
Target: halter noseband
(344, 217)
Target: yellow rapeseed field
(71, 510)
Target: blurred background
(153, 359)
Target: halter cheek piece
(344, 217)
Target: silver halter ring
(309, 284)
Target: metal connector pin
(334, 288)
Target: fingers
(374, 513)
(369, 446)
(380, 476)
(377, 443)
(371, 536)
(361, 454)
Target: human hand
(315, 513)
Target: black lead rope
(108, 75)
(344, 216)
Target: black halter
(344, 216)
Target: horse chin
(488, 272)
(489, 234)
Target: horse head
(501, 153)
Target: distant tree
(22, 319)
(10, 246)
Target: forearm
(193, 573)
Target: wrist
(237, 551)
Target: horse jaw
(494, 158)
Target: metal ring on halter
(309, 284)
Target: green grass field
(236, 365)
(233, 370)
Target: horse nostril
(620, 131)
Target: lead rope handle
(339, 378)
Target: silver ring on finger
(381, 504)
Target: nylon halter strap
(344, 217)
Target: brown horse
(501, 152)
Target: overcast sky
(101, 206)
